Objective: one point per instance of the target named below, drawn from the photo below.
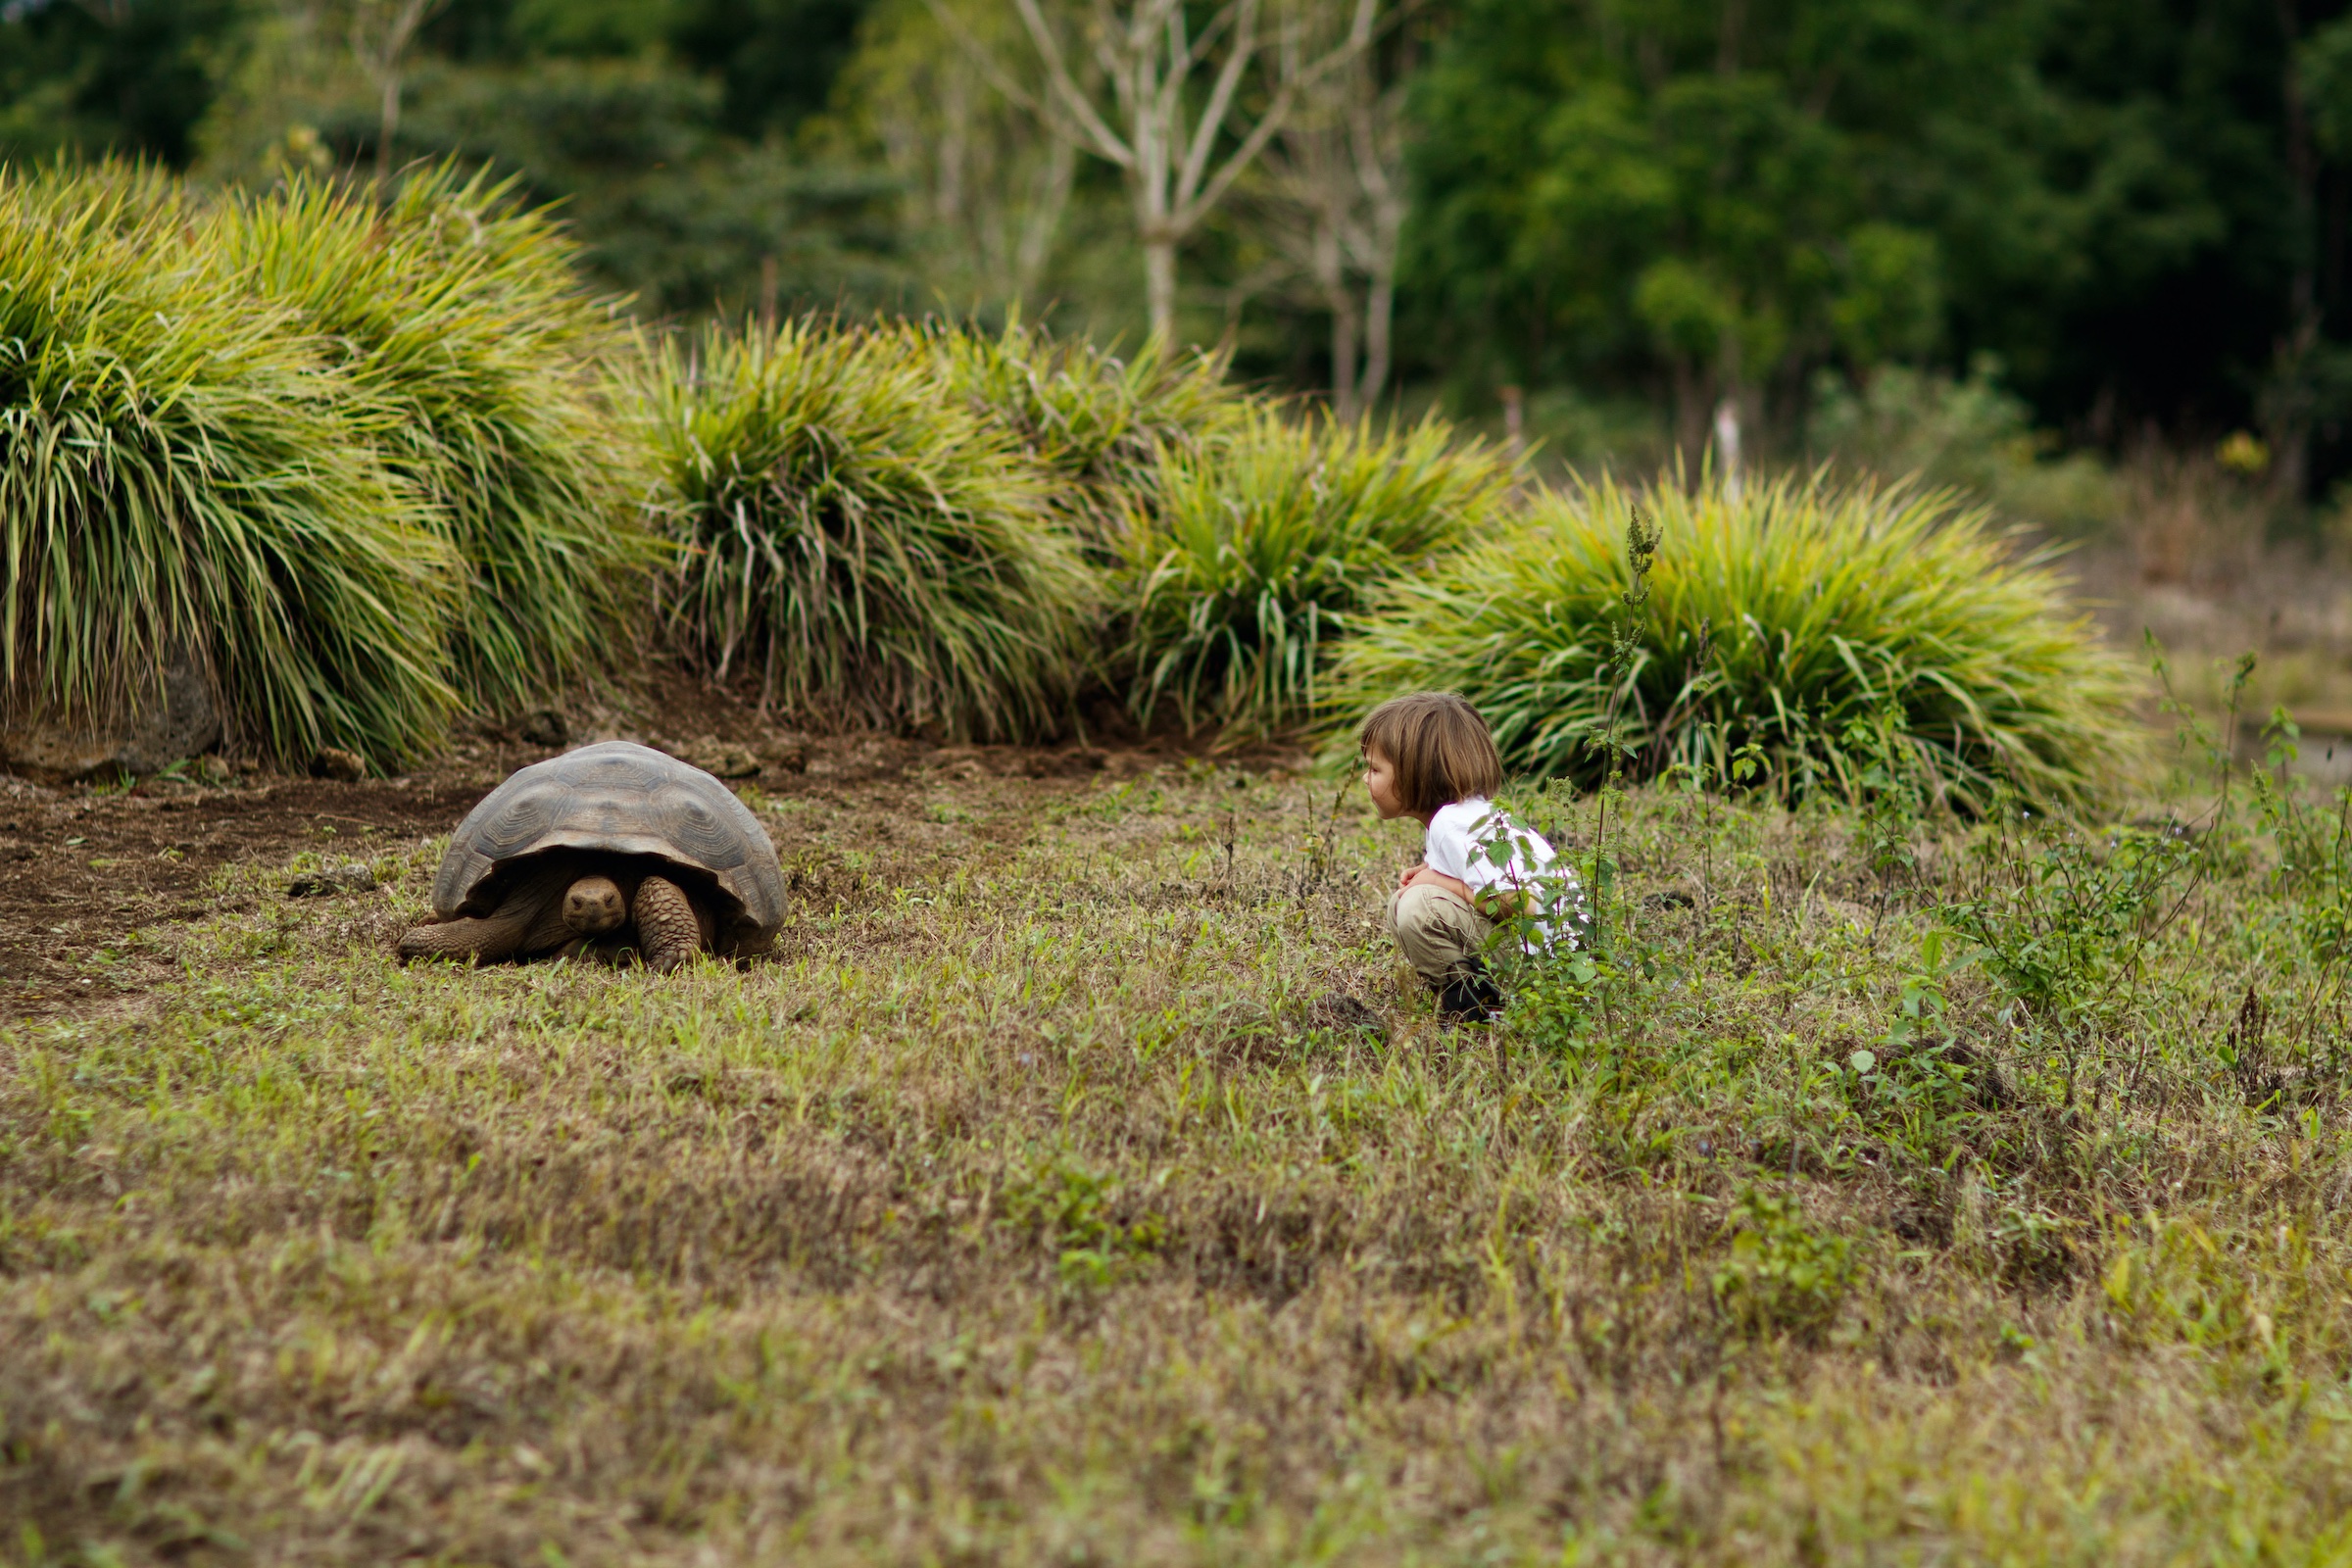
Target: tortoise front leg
(670, 928)
(528, 921)
(486, 940)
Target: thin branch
(1106, 142)
(1209, 34)
(1220, 98)
(1269, 121)
(982, 57)
(1239, 163)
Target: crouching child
(1430, 757)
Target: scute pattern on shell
(619, 798)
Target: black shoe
(1470, 999)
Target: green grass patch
(1027, 1210)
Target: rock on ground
(175, 718)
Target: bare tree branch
(1332, 202)
(986, 182)
(1106, 143)
(381, 32)
(984, 58)
(1220, 102)
(1179, 164)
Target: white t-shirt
(1459, 841)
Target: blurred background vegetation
(2085, 260)
(2106, 219)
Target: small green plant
(1920, 1082)
(1071, 1207)
(856, 538)
(1780, 1276)
(1607, 742)
(2313, 871)
(2198, 748)
(1890, 796)
(1557, 982)
(1780, 614)
(2285, 1046)
(1566, 947)
(1258, 552)
(2062, 922)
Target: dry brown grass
(1020, 1213)
(2201, 558)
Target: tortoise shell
(618, 798)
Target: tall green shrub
(185, 467)
(1258, 550)
(463, 315)
(1815, 621)
(1098, 422)
(858, 537)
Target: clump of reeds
(1258, 550)
(867, 545)
(1096, 422)
(1814, 622)
(463, 315)
(187, 469)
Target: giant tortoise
(567, 852)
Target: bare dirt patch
(84, 869)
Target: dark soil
(84, 869)
(80, 869)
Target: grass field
(1043, 1204)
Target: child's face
(1379, 782)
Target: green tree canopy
(1695, 197)
(2141, 211)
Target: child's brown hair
(1439, 746)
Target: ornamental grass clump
(1799, 633)
(463, 315)
(187, 471)
(1096, 421)
(1258, 550)
(858, 539)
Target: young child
(1430, 757)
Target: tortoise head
(592, 905)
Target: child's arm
(1495, 902)
(1426, 875)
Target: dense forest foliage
(2131, 214)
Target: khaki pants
(1441, 937)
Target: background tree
(380, 32)
(2138, 218)
(1667, 199)
(1160, 94)
(986, 187)
(1691, 199)
(1334, 195)
(128, 75)
(625, 111)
